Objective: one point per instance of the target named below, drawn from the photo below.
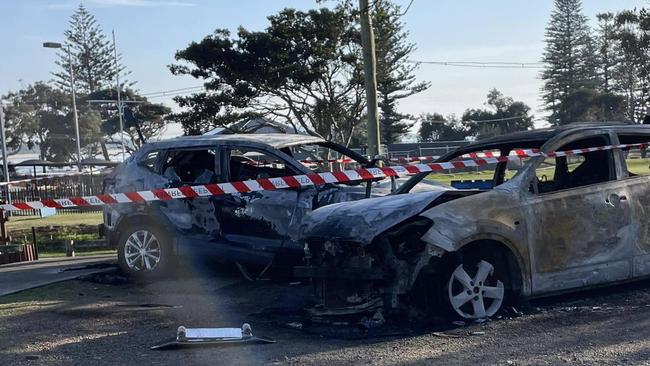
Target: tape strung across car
(296, 181)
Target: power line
(497, 119)
(478, 64)
(480, 121)
(163, 92)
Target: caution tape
(295, 181)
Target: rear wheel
(144, 252)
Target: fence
(58, 187)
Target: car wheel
(144, 252)
(475, 289)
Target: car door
(193, 219)
(636, 176)
(258, 223)
(580, 228)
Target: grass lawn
(25, 223)
(638, 166)
(77, 253)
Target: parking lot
(108, 319)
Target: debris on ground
(477, 333)
(212, 336)
(458, 323)
(445, 335)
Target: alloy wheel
(475, 297)
(142, 251)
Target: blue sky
(150, 31)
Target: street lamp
(74, 98)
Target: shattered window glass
(322, 159)
(149, 161)
(192, 166)
(246, 164)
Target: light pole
(5, 162)
(74, 98)
(120, 107)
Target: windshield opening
(321, 158)
(483, 177)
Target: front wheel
(475, 290)
(144, 252)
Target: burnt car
(253, 228)
(528, 227)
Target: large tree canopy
(504, 115)
(302, 70)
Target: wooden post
(69, 248)
(370, 75)
(35, 243)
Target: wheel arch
(494, 243)
(141, 219)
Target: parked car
(531, 228)
(246, 228)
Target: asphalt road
(21, 276)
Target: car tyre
(144, 252)
(475, 287)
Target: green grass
(638, 166)
(77, 253)
(26, 223)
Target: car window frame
(225, 162)
(167, 151)
(625, 172)
(563, 140)
(158, 163)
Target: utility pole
(370, 75)
(119, 96)
(5, 161)
(74, 97)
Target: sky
(149, 32)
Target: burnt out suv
(526, 227)
(246, 228)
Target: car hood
(361, 221)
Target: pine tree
(606, 51)
(568, 56)
(93, 61)
(395, 77)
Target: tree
(303, 70)
(395, 76)
(505, 115)
(435, 127)
(607, 53)
(632, 73)
(149, 118)
(41, 116)
(93, 61)
(568, 56)
(588, 105)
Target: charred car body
(247, 228)
(537, 226)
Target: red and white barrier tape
(296, 181)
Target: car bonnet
(360, 221)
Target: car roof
(536, 138)
(275, 140)
(545, 134)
